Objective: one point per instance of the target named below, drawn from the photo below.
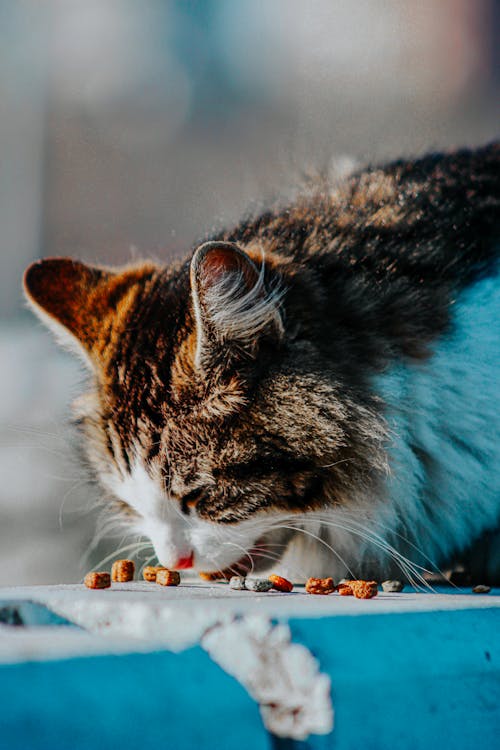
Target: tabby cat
(315, 391)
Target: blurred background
(130, 129)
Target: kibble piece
(237, 583)
(97, 580)
(123, 571)
(344, 589)
(216, 575)
(364, 589)
(281, 584)
(258, 584)
(320, 586)
(168, 577)
(481, 589)
(392, 587)
(150, 571)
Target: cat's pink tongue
(183, 563)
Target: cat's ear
(233, 305)
(71, 298)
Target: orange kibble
(281, 584)
(215, 575)
(97, 580)
(344, 589)
(123, 571)
(320, 586)
(364, 589)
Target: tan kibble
(150, 571)
(123, 571)
(97, 580)
(481, 589)
(168, 577)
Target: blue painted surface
(409, 682)
(399, 681)
(161, 701)
(30, 614)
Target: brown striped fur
(270, 409)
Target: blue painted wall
(410, 681)
(399, 682)
(161, 701)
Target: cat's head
(211, 418)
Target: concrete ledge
(399, 671)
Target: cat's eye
(192, 498)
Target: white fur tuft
(243, 316)
(61, 334)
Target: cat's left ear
(80, 303)
(234, 304)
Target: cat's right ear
(71, 298)
(233, 305)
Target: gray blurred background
(130, 128)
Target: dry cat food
(258, 584)
(123, 571)
(344, 589)
(392, 587)
(237, 583)
(97, 580)
(168, 577)
(281, 584)
(150, 571)
(213, 576)
(481, 589)
(320, 586)
(359, 589)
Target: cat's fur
(319, 384)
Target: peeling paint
(166, 627)
(283, 677)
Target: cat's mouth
(256, 559)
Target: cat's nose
(184, 563)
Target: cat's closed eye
(189, 501)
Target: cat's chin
(255, 560)
(241, 567)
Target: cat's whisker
(131, 548)
(409, 568)
(73, 487)
(419, 550)
(38, 433)
(278, 558)
(405, 565)
(321, 541)
(336, 463)
(147, 562)
(245, 553)
(374, 538)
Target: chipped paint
(283, 677)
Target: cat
(314, 391)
